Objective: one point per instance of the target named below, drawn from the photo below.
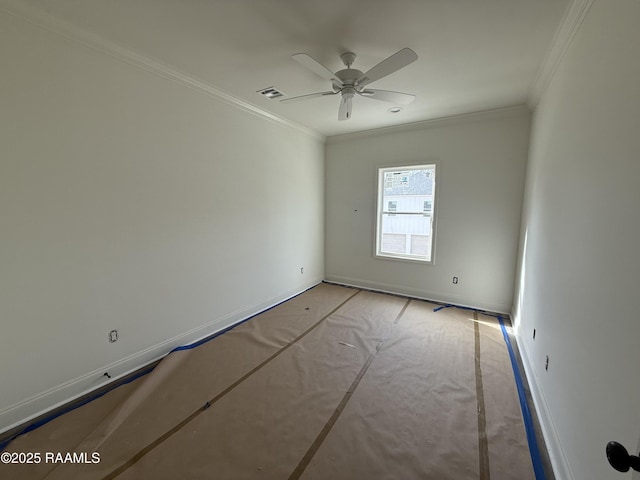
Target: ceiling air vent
(271, 92)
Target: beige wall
(481, 162)
(578, 281)
(129, 201)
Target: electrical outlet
(301, 269)
(113, 336)
(455, 280)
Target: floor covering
(336, 383)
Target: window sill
(399, 258)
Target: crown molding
(573, 18)
(48, 22)
(482, 115)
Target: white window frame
(406, 257)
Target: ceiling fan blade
(307, 97)
(344, 113)
(388, 96)
(389, 65)
(316, 67)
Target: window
(406, 201)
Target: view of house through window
(405, 212)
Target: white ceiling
(473, 54)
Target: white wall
(479, 180)
(129, 201)
(578, 281)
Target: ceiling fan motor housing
(349, 76)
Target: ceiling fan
(350, 82)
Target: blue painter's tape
(437, 309)
(526, 413)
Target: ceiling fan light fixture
(349, 92)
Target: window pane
(394, 243)
(406, 224)
(420, 244)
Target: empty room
(282, 239)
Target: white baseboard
(421, 294)
(557, 456)
(37, 405)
